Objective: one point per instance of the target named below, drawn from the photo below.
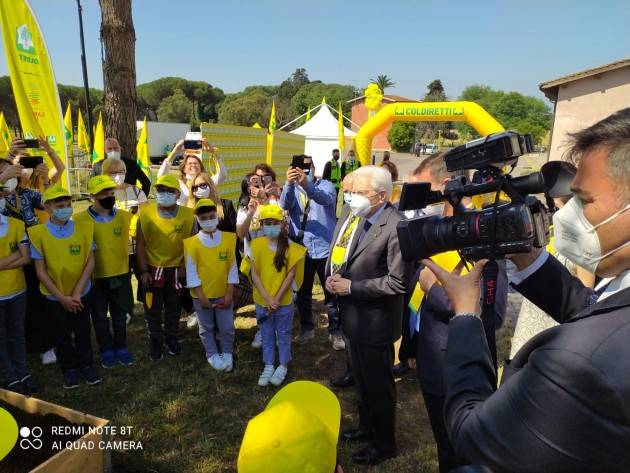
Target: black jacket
(564, 402)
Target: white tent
(322, 136)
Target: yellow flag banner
(5, 136)
(98, 153)
(32, 77)
(142, 149)
(271, 128)
(83, 139)
(67, 128)
(342, 138)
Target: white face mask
(433, 210)
(576, 238)
(119, 179)
(209, 225)
(360, 205)
(202, 193)
(10, 185)
(113, 155)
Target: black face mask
(107, 202)
(336, 157)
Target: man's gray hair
(379, 177)
(613, 134)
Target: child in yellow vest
(63, 251)
(277, 263)
(112, 282)
(14, 256)
(211, 274)
(162, 228)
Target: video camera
(494, 231)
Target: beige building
(583, 98)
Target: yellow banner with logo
(32, 77)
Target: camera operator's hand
(273, 190)
(251, 207)
(464, 292)
(292, 175)
(523, 260)
(303, 178)
(205, 146)
(11, 172)
(43, 144)
(427, 279)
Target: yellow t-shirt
(262, 259)
(213, 264)
(164, 237)
(65, 257)
(12, 280)
(112, 240)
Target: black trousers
(165, 297)
(72, 335)
(376, 390)
(38, 328)
(114, 294)
(435, 408)
(305, 296)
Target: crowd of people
(564, 398)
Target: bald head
(111, 144)
(346, 184)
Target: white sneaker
(279, 375)
(257, 342)
(193, 320)
(127, 318)
(266, 375)
(49, 358)
(228, 362)
(337, 342)
(216, 362)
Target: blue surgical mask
(166, 199)
(63, 215)
(271, 231)
(209, 225)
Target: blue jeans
(208, 319)
(277, 326)
(12, 343)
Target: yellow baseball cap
(100, 183)
(271, 211)
(168, 180)
(201, 203)
(297, 432)
(55, 192)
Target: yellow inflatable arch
(468, 112)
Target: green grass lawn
(191, 419)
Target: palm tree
(383, 82)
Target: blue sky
(508, 44)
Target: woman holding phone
(190, 167)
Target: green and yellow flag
(32, 77)
(308, 114)
(273, 124)
(142, 149)
(67, 125)
(83, 139)
(5, 136)
(98, 152)
(342, 138)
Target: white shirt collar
(615, 285)
(208, 239)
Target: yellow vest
(65, 257)
(164, 237)
(12, 280)
(112, 241)
(262, 257)
(213, 264)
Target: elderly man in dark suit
(366, 271)
(564, 401)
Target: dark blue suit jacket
(564, 401)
